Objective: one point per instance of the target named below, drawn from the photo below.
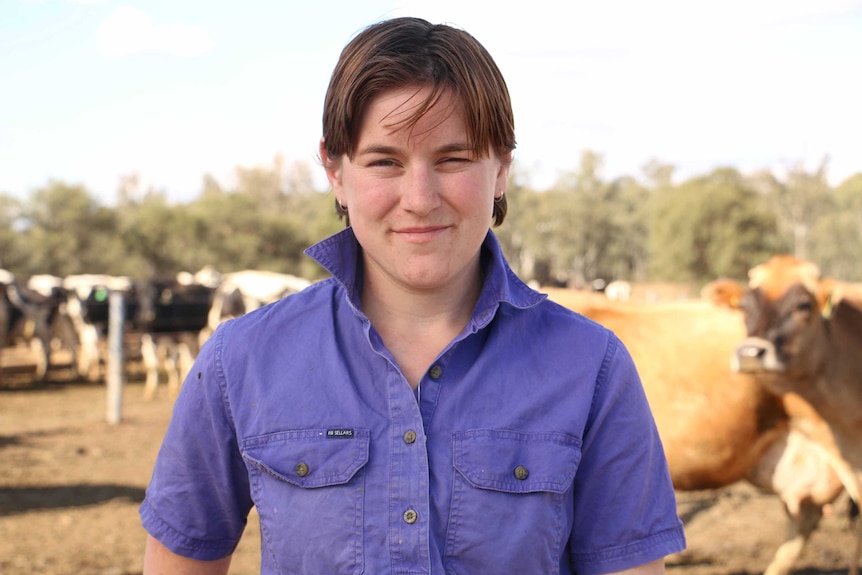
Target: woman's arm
(158, 560)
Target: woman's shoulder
(554, 326)
(565, 317)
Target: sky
(171, 90)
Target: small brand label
(340, 433)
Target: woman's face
(420, 202)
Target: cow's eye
(804, 306)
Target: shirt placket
(409, 503)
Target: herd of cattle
(166, 319)
(761, 383)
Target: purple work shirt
(531, 449)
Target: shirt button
(409, 436)
(301, 469)
(436, 372)
(410, 516)
(521, 472)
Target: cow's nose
(751, 351)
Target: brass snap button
(409, 436)
(301, 469)
(410, 516)
(521, 472)
(436, 372)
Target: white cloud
(128, 31)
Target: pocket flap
(516, 462)
(309, 457)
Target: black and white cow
(169, 316)
(87, 307)
(25, 318)
(241, 292)
(63, 334)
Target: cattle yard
(71, 483)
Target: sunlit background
(168, 90)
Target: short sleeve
(625, 505)
(198, 499)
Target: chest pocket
(308, 488)
(512, 503)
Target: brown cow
(804, 338)
(717, 426)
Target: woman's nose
(420, 192)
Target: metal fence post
(114, 376)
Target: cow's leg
(185, 360)
(40, 353)
(88, 355)
(70, 343)
(150, 359)
(798, 471)
(171, 365)
(204, 335)
(64, 338)
(40, 343)
(799, 529)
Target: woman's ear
(333, 170)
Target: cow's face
(233, 305)
(782, 311)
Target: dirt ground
(71, 484)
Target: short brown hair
(413, 52)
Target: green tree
(626, 254)
(837, 234)
(262, 184)
(231, 233)
(514, 233)
(591, 224)
(13, 254)
(799, 200)
(149, 230)
(65, 231)
(313, 217)
(708, 227)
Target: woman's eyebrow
(389, 150)
(379, 149)
(455, 147)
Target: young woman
(423, 410)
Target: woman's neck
(416, 325)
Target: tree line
(584, 227)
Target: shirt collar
(339, 255)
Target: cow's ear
(723, 293)
(828, 294)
